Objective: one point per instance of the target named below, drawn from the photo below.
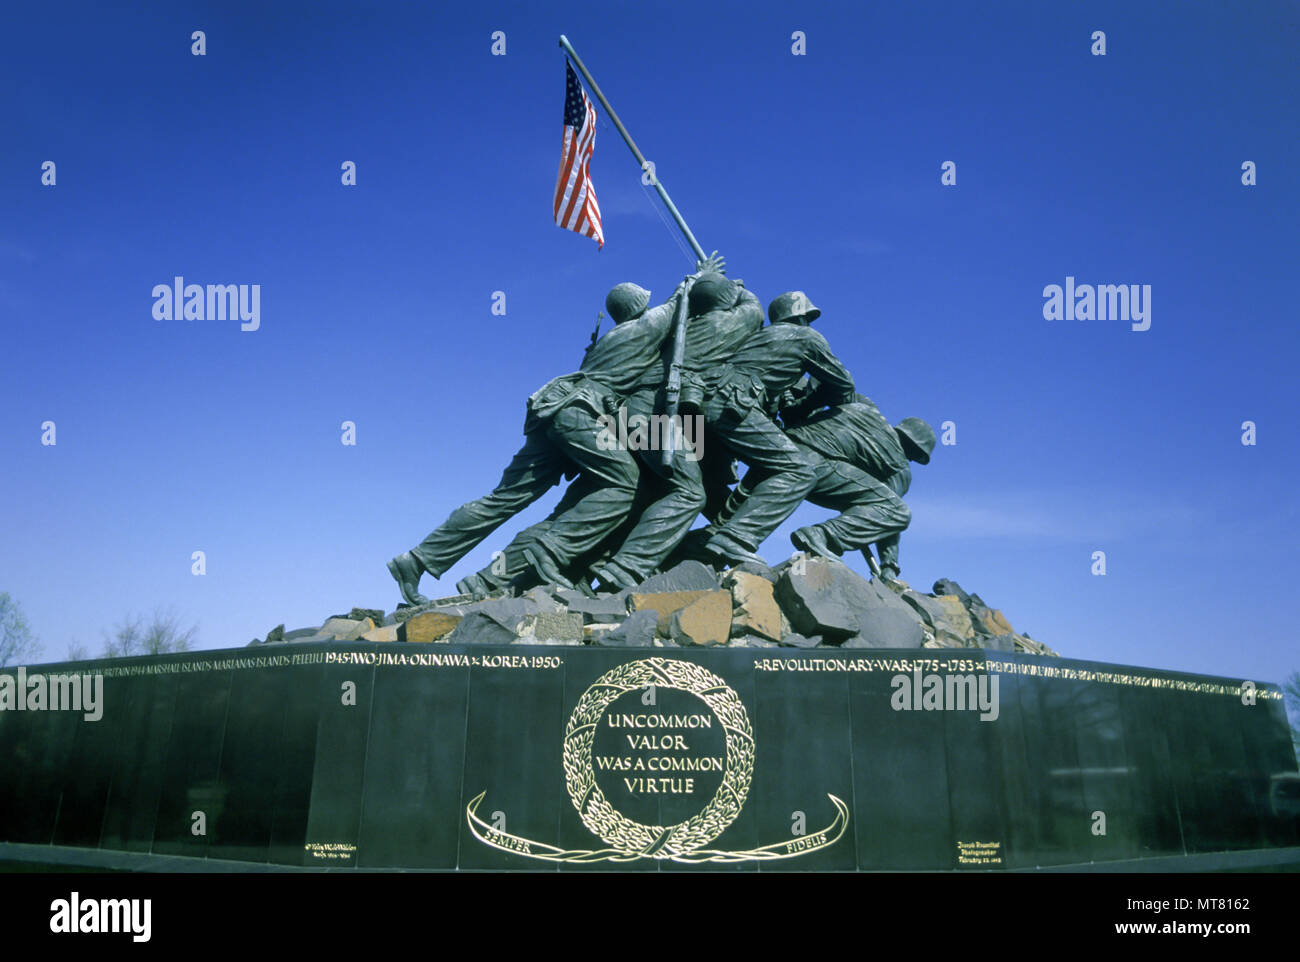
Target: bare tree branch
(162, 634)
(17, 644)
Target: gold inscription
(906, 665)
(330, 850)
(367, 658)
(979, 853)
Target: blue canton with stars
(575, 110)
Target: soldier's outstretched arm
(834, 382)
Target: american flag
(575, 196)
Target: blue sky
(819, 172)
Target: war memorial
(624, 688)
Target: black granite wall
(326, 755)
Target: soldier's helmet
(626, 301)
(790, 305)
(712, 292)
(917, 438)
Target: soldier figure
(741, 396)
(679, 488)
(678, 493)
(560, 435)
(562, 432)
(833, 447)
(864, 473)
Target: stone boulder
(511, 612)
(800, 602)
(944, 637)
(1033, 647)
(955, 616)
(480, 628)
(687, 576)
(995, 623)
(967, 620)
(1005, 642)
(931, 612)
(827, 598)
(381, 633)
(551, 626)
(796, 640)
(887, 626)
(638, 631)
(406, 612)
(754, 568)
(666, 603)
(427, 626)
(822, 597)
(753, 641)
(317, 635)
(753, 605)
(945, 586)
(546, 596)
(346, 629)
(705, 621)
(602, 608)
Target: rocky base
(801, 603)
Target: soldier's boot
(546, 568)
(812, 540)
(726, 549)
(476, 586)
(889, 575)
(611, 576)
(406, 570)
(585, 588)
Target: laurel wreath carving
(603, 820)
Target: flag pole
(673, 389)
(636, 151)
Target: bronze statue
(864, 473)
(562, 436)
(740, 398)
(626, 512)
(706, 353)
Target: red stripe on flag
(575, 207)
(566, 163)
